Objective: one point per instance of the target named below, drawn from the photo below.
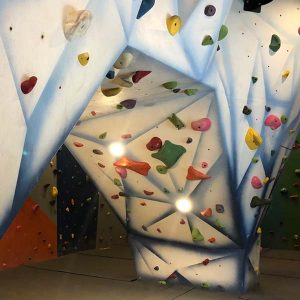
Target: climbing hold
(196, 235)
(162, 282)
(35, 207)
(205, 262)
(19, 227)
(220, 208)
(115, 197)
(193, 174)
(256, 182)
(273, 152)
(146, 5)
(254, 79)
(121, 171)
(207, 40)
(189, 140)
(28, 85)
(267, 108)
(101, 165)
(143, 204)
(296, 184)
(117, 182)
(284, 119)
(176, 91)
(138, 75)
(166, 191)
(135, 166)
(158, 230)
(170, 85)
(102, 136)
(275, 43)
(182, 222)
(176, 121)
(223, 32)
(129, 103)
(162, 169)
(266, 180)
(156, 268)
(259, 230)
(119, 106)
(173, 24)
(207, 212)
(154, 144)
(110, 74)
(273, 122)
(204, 285)
(54, 192)
(294, 197)
(169, 153)
(285, 74)
(201, 125)
(123, 81)
(253, 139)
(126, 136)
(97, 151)
(246, 110)
(283, 191)
(123, 61)
(190, 92)
(83, 58)
(46, 185)
(93, 113)
(212, 240)
(256, 201)
(76, 23)
(148, 193)
(219, 224)
(204, 165)
(210, 10)
(255, 160)
(111, 92)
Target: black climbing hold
(156, 268)
(219, 208)
(254, 79)
(218, 48)
(176, 90)
(246, 110)
(209, 10)
(129, 103)
(110, 74)
(146, 5)
(256, 201)
(189, 140)
(267, 108)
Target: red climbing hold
(158, 230)
(182, 222)
(148, 193)
(207, 212)
(206, 262)
(28, 85)
(193, 174)
(154, 144)
(93, 113)
(294, 197)
(143, 203)
(77, 144)
(138, 75)
(135, 166)
(115, 197)
(212, 240)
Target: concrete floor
(109, 274)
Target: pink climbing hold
(201, 125)
(154, 144)
(28, 85)
(77, 144)
(193, 174)
(93, 113)
(256, 182)
(126, 136)
(35, 207)
(299, 30)
(273, 122)
(138, 75)
(204, 165)
(121, 171)
(136, 166)
(148, 193)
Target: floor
(109, 274)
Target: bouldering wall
(204, 101)
(281, 226)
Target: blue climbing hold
(146, 5)
(110, 74)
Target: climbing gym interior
(150, 149)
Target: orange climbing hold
(135, 166)
(207, 212)
(212, 240)
(193, 174)
(77, 144)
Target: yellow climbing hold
(259, 231)
(173, 24)
(266, 180)
(83, 58)
(54, 192)
(253, 139)
(111, 92)
(285, 74)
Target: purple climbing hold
(273, 122)
(146, 5)
(154, 144)
(201, 125)
(121, 171)
(129, 103)
(210, 10)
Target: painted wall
(222, 67)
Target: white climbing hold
(123, 61)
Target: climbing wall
(204, 100)
(281, 226)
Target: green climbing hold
(219, 224)
(117, 182)
(169, 153)
(170, 85)
(162, 169)
(119, 106)
(275, 43)
(162, 282)
(255, 160)
(207, 40)
(254, 79)
(190, 92)
(223, 33)
(273, 152)
(284, 119)
(176, 121)
(166, 191)
(204, 285)
(103, 135)
(196, 235)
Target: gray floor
(109, 274)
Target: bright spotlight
(184, 205)
(116, 149)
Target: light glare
(116, 149)
(184, 205)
